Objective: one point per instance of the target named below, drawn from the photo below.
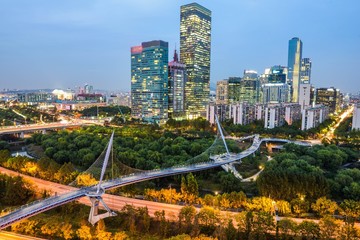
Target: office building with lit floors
(250, 87)
(149, 81)
(313, 116)
(330, 97)
(177, 79)
(305, 73)
(195, 45)
(294, 67)
(356, 117)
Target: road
(14, 236)
(38, 127)
(117, 202)
(330, 134)
(114, 202)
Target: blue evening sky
(67, 43)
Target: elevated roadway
(40, 127)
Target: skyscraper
(294, 66)
(149, 81)
(329, 97)
(177, 78)
(305, 74)
(195, 39)
(250, 87)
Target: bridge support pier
(22, 135)
(94, 215)
(43, 131)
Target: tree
(120, 236)
(208, 216)
(66, 231)
(284, 207)
(263, 223)
(324, 206)
(186, 217)
(329, 227)
(192, 185)
(299, 205)
(350, 209)
(84, 232)
(163, 224)
(263, 204)
(309, 230)
(287, 228)
(85, 179)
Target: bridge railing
(17, 209)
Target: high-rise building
(222, 92)
(304, 95)
(313, 116)
(329, 97)
(195, 41)
(177, 79)
(234, 89)
(274, 116)
(228, 90)
(250, 87)
(149, 81)
(305, 73)
(275, 93)
(277, 74)
(356, 117)
(294, 67)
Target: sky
(68, 43)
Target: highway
(330, 134)
(38, 127)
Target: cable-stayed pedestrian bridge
(95, 192)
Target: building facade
(277, 74)
(292, 112)
(36, 97)
(330, 97)
(195, 46)
(356, 117)
(304, 95)
(275, 93)
(243, 113)
(305, 73)
(222, 95)
(177, 79)
(274, 116)
(294, 66)
(250, 87)
(313, 116)
(149, 81)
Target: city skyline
(60, 45)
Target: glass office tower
(294, 67)
(177, 79)
(250, 87)
(195, 39)
(149, 81)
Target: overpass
(95, 192)
(21, 129)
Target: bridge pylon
(96, 197)
(221, 133)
